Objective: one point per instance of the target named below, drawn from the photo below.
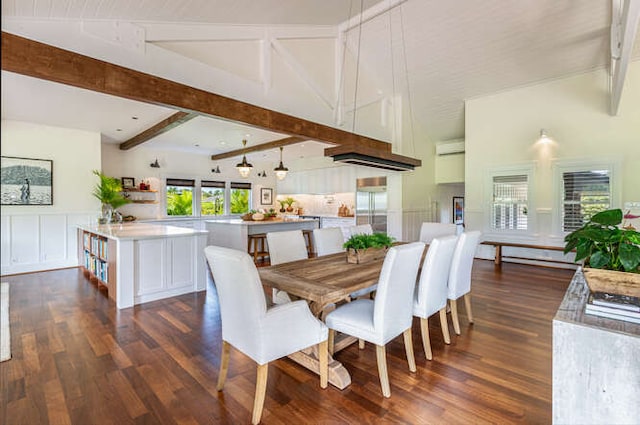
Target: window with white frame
(212, 194)
(509, 206)
(179, 195)
(584, 193)
(239, 197)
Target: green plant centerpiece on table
(362, 248)
(109, 192)
(610, 254)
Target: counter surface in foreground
(140, 231)
(596, 366)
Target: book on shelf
(613, 306)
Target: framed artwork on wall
(266, 196)
(128, 182)
(26, 181)
(458, 210)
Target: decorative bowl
(257, 217)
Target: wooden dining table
(323, 281)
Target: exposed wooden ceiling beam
(259, 148)
(39, 60)
(163, 126)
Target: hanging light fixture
(244, 168)
(281, 170)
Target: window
(180, 196)
(212, 198)
(584, 193)
(509, 206)
(240, 198)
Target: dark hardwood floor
(76, 359)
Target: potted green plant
(610, 254)
(109, 192)
(282, 205)
(289, 201)
(362, 248)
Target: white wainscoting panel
(412, 222)
(37, 242)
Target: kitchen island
(140, 262)
(234, 233)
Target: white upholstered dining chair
(328, 241)
(285, 247)
(361, 229)
(428, 231)
(262, 334)
(460, 275)
(431, 292)
(389, 315)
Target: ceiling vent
(368, 157)
(450, 148)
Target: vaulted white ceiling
(431, 54)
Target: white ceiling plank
(625, 32)
(369, 14)
(299, 69)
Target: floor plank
(76, 359)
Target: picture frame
(128, 182)
(26, 181)
(266, 196)
(458, 210)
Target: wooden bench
(499, 256)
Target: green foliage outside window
(212, 202)
(239, 201)
(179, 200)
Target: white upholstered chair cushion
(431, 292)
(262, 334)
(428, 231)
(328, 241)
(361, 229)
(460, 275)
(390, 314)
(285, 247)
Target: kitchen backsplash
(323, 204)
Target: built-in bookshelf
(98, 258)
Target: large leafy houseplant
(602, 244)
(109, 192)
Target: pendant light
(244, 168)
(281, 170)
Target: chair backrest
(432, 290)
(361, 229)
(393, 309)
(461, 264)
(286, 246)
(240, 295)
(428, 231)
(328, 241)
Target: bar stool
(308, 234)
(257, 246)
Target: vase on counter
(107, 214)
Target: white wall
(43, 237)
(502, 130)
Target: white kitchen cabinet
(343, 223)
(319, 181)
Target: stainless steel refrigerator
(371, 202)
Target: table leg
(338, 374)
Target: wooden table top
(321, 280)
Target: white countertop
(137, 231)
(237, 221)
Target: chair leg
(408, 348)
(261, 388)
(224, 364)
(361, 344)
(454, 316)
(426, 343)
(381, 356)
(332, 336)
(323, 358)
(444, 325)
(467, 306)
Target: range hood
(370, 157)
